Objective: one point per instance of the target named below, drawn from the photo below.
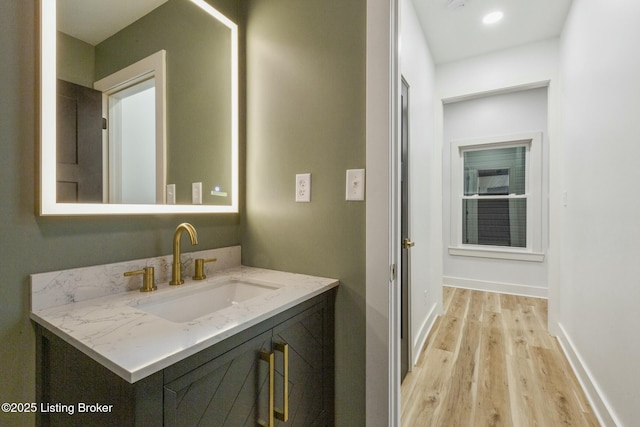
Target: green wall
(31, 244)
(75, 60)
(198, 96)
(306, 113)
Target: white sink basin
(201, 299)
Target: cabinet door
(309, 368)
(66, 376)
(230, 390)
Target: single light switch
(171, 194)
(196, 193)
(355, 184)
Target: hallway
(489, 361)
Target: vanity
(242, 346)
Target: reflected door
(79, 144)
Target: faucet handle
(148, 278)
(199, 273)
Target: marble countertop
(134, 344)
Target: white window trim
(533, 251)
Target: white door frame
(382, 216)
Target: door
(79, 144)
(405, 339)
(230, 390)
(301, 362)
(247, 385)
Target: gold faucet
(176, 273)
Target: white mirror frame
(48, 203)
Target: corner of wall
(423, 333)
(600, 406)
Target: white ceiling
(452, 32)
(456, 33)
(95, 20)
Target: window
(496, 197)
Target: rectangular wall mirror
(139, 108)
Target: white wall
(425, 192)
(518, 67)
(522, 65)
(495, 115)
(599, 300)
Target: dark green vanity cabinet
(227, 384)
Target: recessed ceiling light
(493, 17)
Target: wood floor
(489, 361)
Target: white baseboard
(503, 288)
(596, 399)
(423, 333)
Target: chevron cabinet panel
(235, 389)
(222, 392)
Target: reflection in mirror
(138, 108)
(134, 137)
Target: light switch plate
(303, 187)
(355, 184)
(196, 193)
(171, 194)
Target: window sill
(497, 254)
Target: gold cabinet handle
(283, 414)
(148, 278)
(269, 358)
(408, 243)
(199, 273)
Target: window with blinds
(494, 200)
(496, 203)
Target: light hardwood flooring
(489, 361)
